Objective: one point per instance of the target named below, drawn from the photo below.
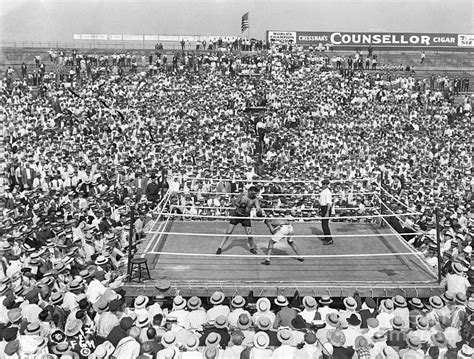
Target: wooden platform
(345, 267)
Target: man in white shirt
(128, 347)
(325, 201)
(456, 282)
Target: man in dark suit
(396, 337)
(368, 311)
(219, 327)
(265, 325)
(153, 190)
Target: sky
(53, 20)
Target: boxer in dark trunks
(243, 203)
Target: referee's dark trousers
(325, 223)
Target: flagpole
(248, 27)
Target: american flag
(245, 22)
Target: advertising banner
(365, 39)
(113, 37)
(466, 40)
(168, 38)
(151, 37)
(281, 37)
(132, 37)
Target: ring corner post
(438, 243)
(130, 242)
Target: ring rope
(284, 256)
(266, 181)
(396, 199)
(288, 218)
(161, 203)
(289, 236)
(275, 194)
(407, 245)
(280, 209)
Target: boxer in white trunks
(280, 228)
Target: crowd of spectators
(83, 150)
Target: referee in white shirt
(325, 201)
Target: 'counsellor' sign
(357, 39)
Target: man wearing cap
(109, 319)
(285, 315)
(325, 202)
(413, 349)
(217, 298)
(260, 349)
(310, 311)
(285, 350)
(243, 203)
(219, 327)
(178, 311)
(237, 304)
(325, 308)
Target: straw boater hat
(325, 300)
(466, 352)
(244, 322)
(261, 340)
(416, 303)
(191, 343)
(238, 301)
(458, 268)
(213, 338)
(73, 327)
(103, 351)
(413, 342)
(422, 323)
(143, 320)
(333, 319)
(33, 328)
(439, 340)
(217, 298)
(194, 303)
(448, 297)
(281, 301)
(264, 323)
(399, 301)
(378, 337)
(350, 303)
(436, 302)
(56, 298)
(336, 338)
(285, 336)
(220, 322)
(460, 298)
(263, 305)
(140, 302)
(387, 305)
(179, 303)
(168, 339)
(310, 303)
(397, 322)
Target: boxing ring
(367, 256)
